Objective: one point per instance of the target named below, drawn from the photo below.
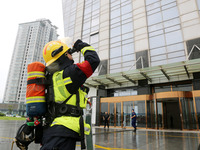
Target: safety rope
(13, 144)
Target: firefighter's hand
(78, 45)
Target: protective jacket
(67, 83)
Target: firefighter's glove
(24, 136)
(78, 45)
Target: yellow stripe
(110, 148)
(67, 80)
(7, 138)
(33, 97)
(36, 76)
(36, 101)
(38, 72)
(90, 48)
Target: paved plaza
(117, 139)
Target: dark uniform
(65, 131)
(134, 120)
(106, 117)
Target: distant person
(134, 120)
(106, 118)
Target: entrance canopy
(158, 74)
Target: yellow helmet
(53, 50)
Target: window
(160, 57)
(95, 21)
(174, 37)
(127, 28)
(128, 58)
(127, 49)
(175, 47)
(126, 9)
(121, 35)
(157, 41)
(94, 38)
(115, 52)
(115, 13)
(154, 19)
(165, 35)
(158, 51)
(104, 108)
(115, 31)
(139, 108)
(127, 36)
(170, 13)
(115, 60)
(151, 1)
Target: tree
(10, 109)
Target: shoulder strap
(77, 99)
(81, 122)
(36, 81)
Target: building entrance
(165, 110)
(171, 114)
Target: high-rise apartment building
(31, 38)
(150, 59)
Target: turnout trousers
(59, 138)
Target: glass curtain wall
(122, 55)
(189, 121)
(164, 28)
(150, 114)
(160, 114)
(139, 107)
(69, 16)
(197, 101)
(112, 114)
(127, 109)
(91, 23)
(118, 114)
(104, 108)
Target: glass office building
(150, 59)
(30, 40)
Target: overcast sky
(14, 12)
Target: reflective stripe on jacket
(60, 95)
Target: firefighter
(68, 93)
